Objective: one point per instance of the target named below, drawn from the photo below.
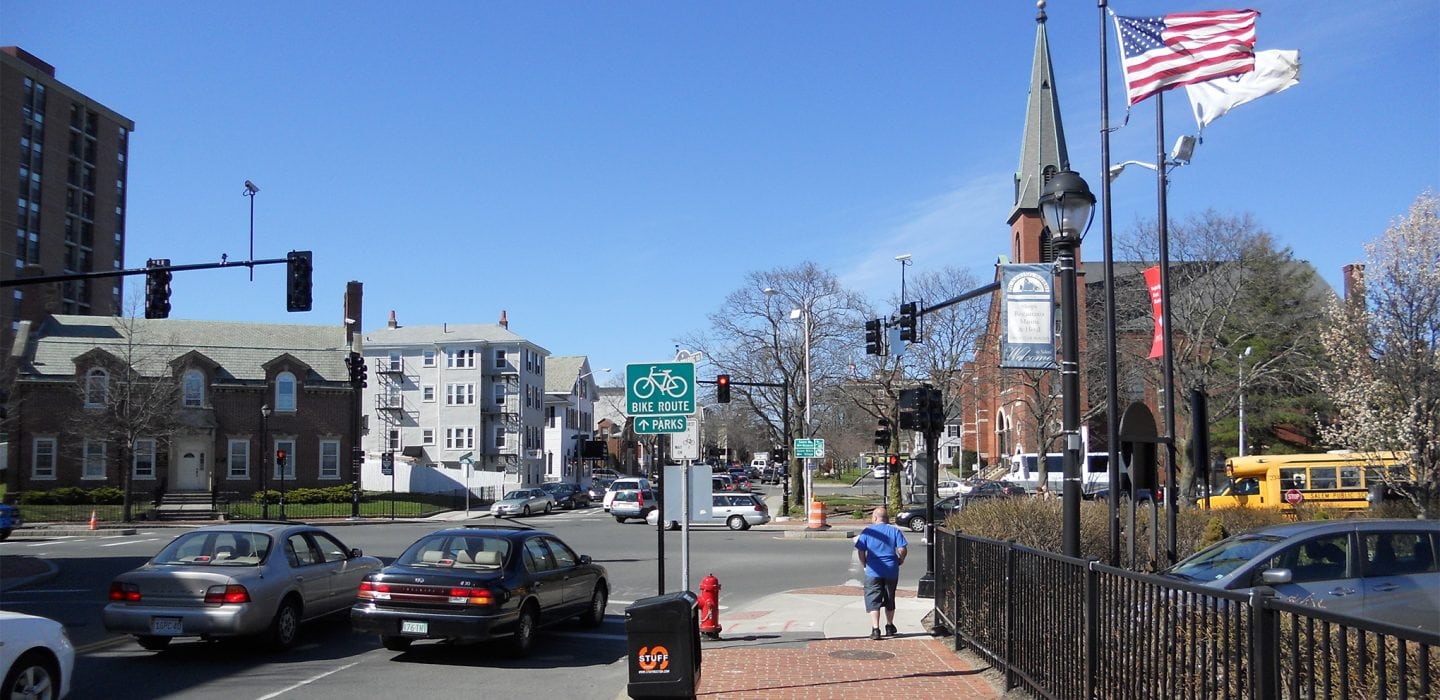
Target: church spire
(1042, 152)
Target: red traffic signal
(893, 460)
(722, 388)
(280, 457)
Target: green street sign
(650, 425)
(810, 447)
(660, 389)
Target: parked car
(9, 520)
(480, 583)
(632, 503)
(913, 514)
(234, 580)
(629, 483)
(36, 657)
(1382, 570)
(994, 489)
(523, 502)
(737, 511)
(946, 489)
(567, 495)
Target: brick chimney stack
(354, 297)
(392, 323)
(504, 322)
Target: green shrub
(106, 496)
(36, 498)
(69, 496)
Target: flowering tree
(1383, 352)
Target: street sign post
(810, 448)
(651, 425)
(660, 389)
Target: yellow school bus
(1338, 479)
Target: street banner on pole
(1152, 283)
(1027, 310)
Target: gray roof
(1044, 142)
(240, 349)
(561, 373)
(435, 335)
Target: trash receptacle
(663, 638)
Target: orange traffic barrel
(817, 516)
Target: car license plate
(166, 626)
(414, 627)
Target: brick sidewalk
(842, 669)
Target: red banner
(1152, 283)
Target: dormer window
(193, 388)
(285, 389)
(97, 388)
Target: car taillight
(760, 507)
(471, 596)
(370, 590)
(124, 592)
(233, 593)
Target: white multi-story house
(440, 397)
(570, 393)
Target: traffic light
(874, 342)
(280, 460)
(911, 408)
(882, 434)
(157, 288)
(359, 373)
(909, 317)
(934, 410)
(893, 462)
(297, 280)
(722, 388)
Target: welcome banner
(1027, 308)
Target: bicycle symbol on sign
(664, 381)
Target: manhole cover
(862, 655)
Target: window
(42, 458)
(499, 391)
(500, 361)
(427, 393)
(459, 438)
(238, 459)
(459, 394)
(395, 364)
(97, 388)
(427, 358)
(288, 445)
(1320, 559)
(392, 439)
(285, 392)
(427, 436)
(952, 430)
(193, 387)
(143, 459)
(499, 436)
(460, 359)
(329, 459)
(550, 416)
(93, 466)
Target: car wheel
(32, 676)
(547, 508)
(619, 518)
(737, 522)
(152, 643)
(395, 643)
(595, 614)
(524, 637)
(285, 628)
(526, 512)
(917, 524)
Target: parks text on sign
(661, 424)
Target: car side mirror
(585, 559)
(1271, 577)
(355, 552)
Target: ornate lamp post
(264, 450)
(1067, 206)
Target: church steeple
(1042, 152)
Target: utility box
(663, 644)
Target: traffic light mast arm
(72, 276)
(967, 296)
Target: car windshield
(1222, 558)
(215, 548)
(468, 551)
(514, 495)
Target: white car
(36, 656)
(946, 489)
(629, 483)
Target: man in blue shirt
(881, 548)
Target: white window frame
(42, 458)
(460, 437)
(286, 401)
(501, 361)
(144, 448)
(427, 358)
(498, 392)
(500, 436)
(94, 460)
(396, 363)
(427, 393)
(392, 440)
(460, 394)
(427, 436)
(460, 359)
(330, 459)
(97, 388)
(193, 389)
(287, 444)
(231, 452)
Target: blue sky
(608, 172)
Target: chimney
(354, 295)
(504, 322)
(1354, 275)
(391, 324)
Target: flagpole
(1112, 400)
(1172, 493)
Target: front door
(192, 470)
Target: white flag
(1274, 71)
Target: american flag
(1178, 49)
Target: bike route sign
(650, 425)
(810, 448)
(660, 389)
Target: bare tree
(1383, 351)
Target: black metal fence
(1060, 627)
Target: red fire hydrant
(710, 606)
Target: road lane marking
(306, 682)
(117, 544)
(58, 540)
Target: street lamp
(905, 262)
(1240, 362)
(264, 450)
(250, 191)
(1067, 207)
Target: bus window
(1292, 478)
(1097, 464)
(1322, 478)
(1349, 477)
(1246, 487)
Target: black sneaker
(890, 631)
(875, 633)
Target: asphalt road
(332, 662)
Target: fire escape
(389, 398)
(503, 453)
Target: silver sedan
(233, 580)
(523, 502)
